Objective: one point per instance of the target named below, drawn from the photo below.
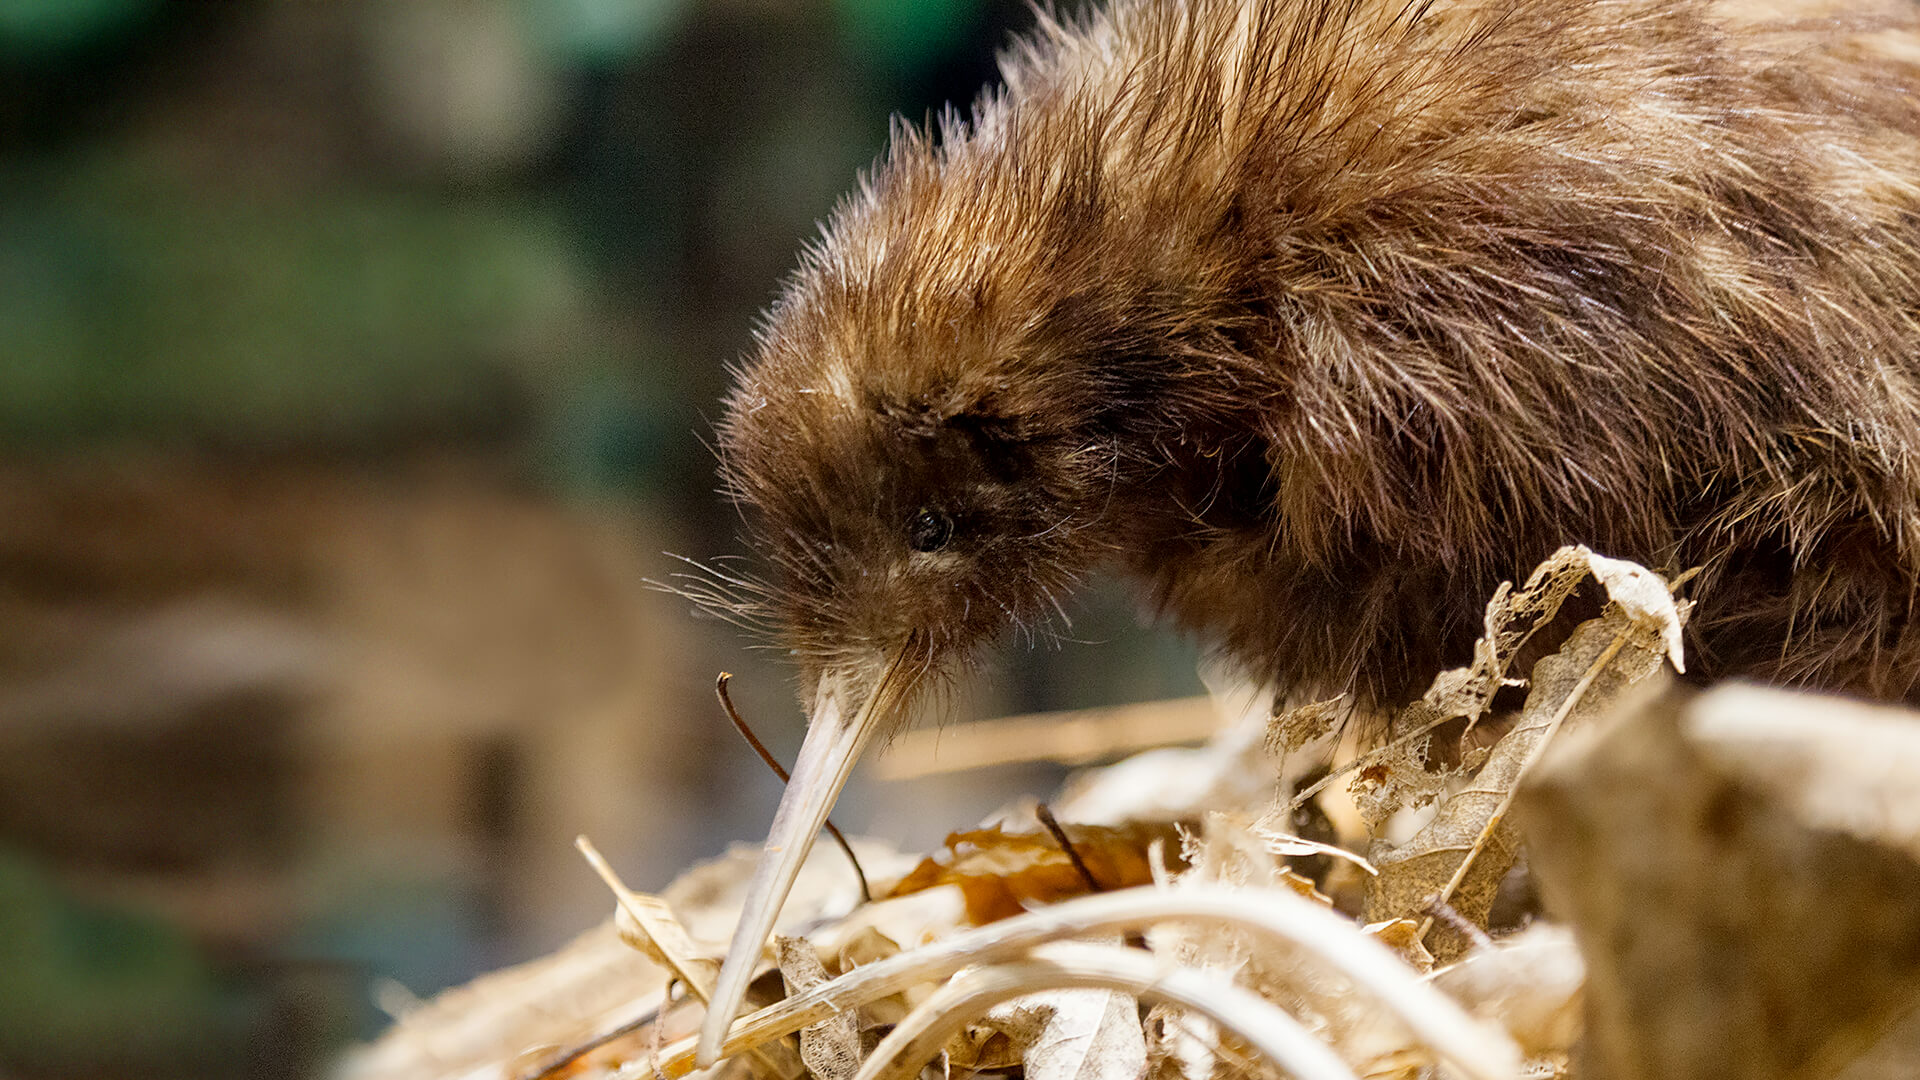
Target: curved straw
(1480, 1051)
(1053, 967)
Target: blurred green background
(355, 360)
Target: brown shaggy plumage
(1322, 317)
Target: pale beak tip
(833, 743)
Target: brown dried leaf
(647, 924)
(982, 1048)
(1403, 937)
(1003, 873)
(1304, 886)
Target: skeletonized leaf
(1461, 855)
(831, 1048)
(1075, 1034)
(1396, 776)
(1297, 727)
(1398, 779)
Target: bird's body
(1321, 317)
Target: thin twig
(740, 725)
(1060, 837)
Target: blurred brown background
(355, 358)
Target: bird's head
(919, 451)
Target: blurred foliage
(907, 36)
(38, 28)
(244, 322)
(107, 987)
(598, 32)
(525, 233)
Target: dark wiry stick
(1060, 837)
(740, 725)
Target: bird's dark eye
(929, 531)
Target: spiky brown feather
(1321, 317)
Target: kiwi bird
(1319, 318)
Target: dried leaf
(1304, 886)
(1395, 776)
(1529, 983)
(1403, 937)
(647, 924)
(1296, 728)
(1646, 598)
(830, 1048)
(1461, 855)
(1003, 873)
(1074, 1034)
(1736, 920)
(982, 1048)
(1398, 779)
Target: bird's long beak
(833, 743)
